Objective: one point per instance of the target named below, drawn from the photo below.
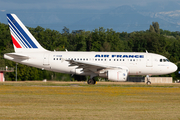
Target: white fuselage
(138, 63)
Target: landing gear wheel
(91, 81)
(148, 82)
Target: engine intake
(117, 75)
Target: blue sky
(55, 14)
(70, 4)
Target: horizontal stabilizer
(17, 56)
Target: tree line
(154, 40)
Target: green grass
(77, 100)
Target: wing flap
(82, 64)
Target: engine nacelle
(117, 75)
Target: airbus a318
(114, 66)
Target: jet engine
(117, 75)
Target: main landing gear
(91, 81)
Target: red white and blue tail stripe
(23, 40)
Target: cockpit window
(164, 60)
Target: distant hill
(123, 18)
(135, 18)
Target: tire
(91, 82)
(148, 82)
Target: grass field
(77, 100)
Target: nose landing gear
(148, 80)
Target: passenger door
(149, 61)
(46, 60)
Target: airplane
(115, 66)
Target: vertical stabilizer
(23, 40)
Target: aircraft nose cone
(174, 67)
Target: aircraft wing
(96, 68)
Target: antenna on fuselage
(146, 51)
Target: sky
(65, 12)
(70, 4)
